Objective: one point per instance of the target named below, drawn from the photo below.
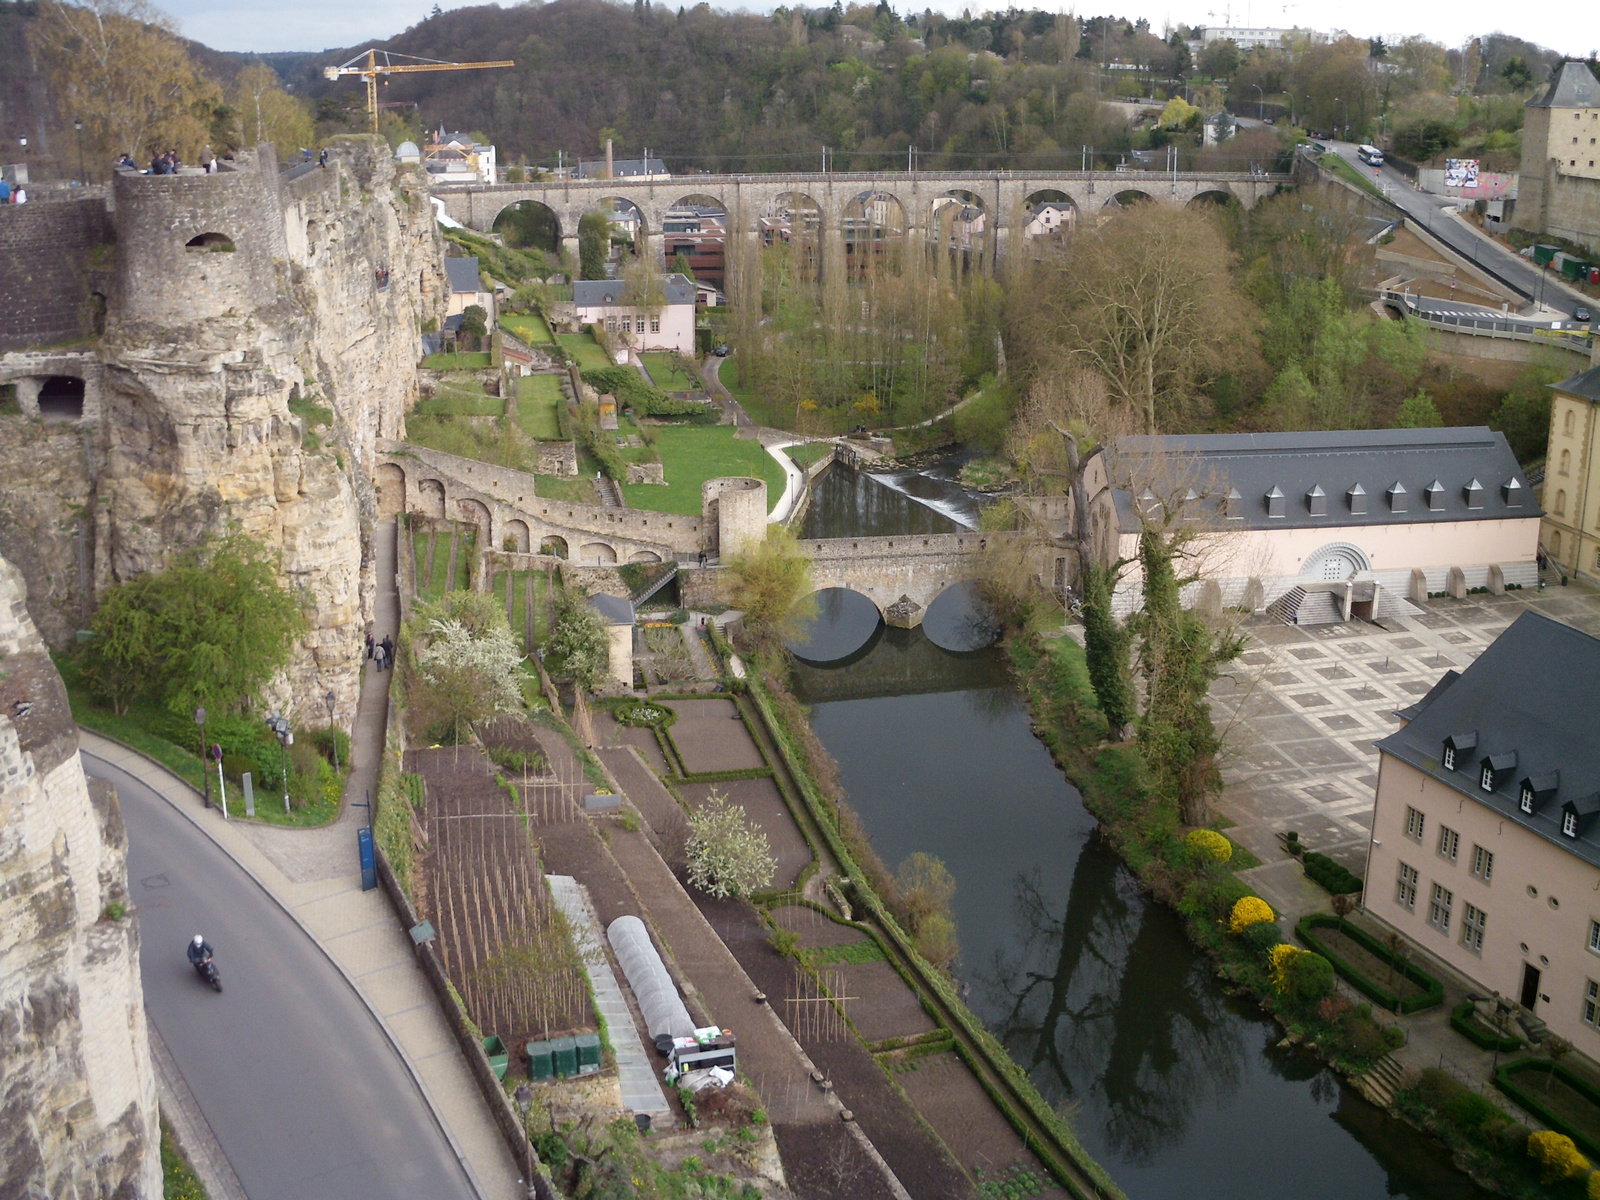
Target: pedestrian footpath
(315, 875)
(641, 1089)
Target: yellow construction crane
(369, 67)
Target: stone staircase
(610, 493)
(1382, 1081)
(1300, 607)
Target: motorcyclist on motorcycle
(199, 950)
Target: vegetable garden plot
(504, 944)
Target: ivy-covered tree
(581, 640)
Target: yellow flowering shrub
(1557, 1154)
(1209, 841)
(1247, 911)
(1593, 1188)
(1279, 960)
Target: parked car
(1581, 314)
(722, 351)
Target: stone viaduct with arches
(1003, 196)
(901, 575)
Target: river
(1176, 1087)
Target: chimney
(608, 158)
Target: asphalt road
(1428, 210)
(306, 1096)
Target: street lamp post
(333, 730)
(77, 124)
(1261, 102)
(1338, 100)
(285, 735)
(200, 720)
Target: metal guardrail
(1518, 331)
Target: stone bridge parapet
(888, 570)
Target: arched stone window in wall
(1568, 421)
(1561, 503)
(212, 243)
(1555, 543)
(1566, 462)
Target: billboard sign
(1461, 172)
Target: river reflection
(1178, 1089)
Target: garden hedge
(1330, 875)
(1370, 988)
(1461, 1021)
(1532, 1098)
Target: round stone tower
(735, 512)
(195, 246)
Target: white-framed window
(1525, 801)
(1449, 758)
(1591, 1003)
(1449, 842)
(1439, 909)
(1569, 823)
(638, 326)
(1472, 925)
(655, 324)
(1414, 822)
(611, 324)
(1405, 889)
(1482, 863)
(1594, 937)
(1486, 780)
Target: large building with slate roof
(1486, 828)
(671, 327)
(1559, 183)
(1571, 533)
(1403, 512)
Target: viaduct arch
(1003, 196)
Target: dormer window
(1397, 497)
(1232, 505)
(1474, 491)
(1525, 799)
(1513, 491)
(1455, 745)
(1275, 502)
(1317, 501)
(1191, 505)
(1569, 823)
(1579, 815)
(1357, 497)
(1486, 780)
(1434, 494)
(1495, 769)
(1449, 758)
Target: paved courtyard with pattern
(1305, 706)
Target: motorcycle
(207, 970)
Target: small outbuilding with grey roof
(616, 613)
(467, 288)
(1401, 512)
(1485, 843)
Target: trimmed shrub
(1262, 936)
(1210, 844)
(1517, 1080)
(1307, 978)
(1556, 1155)
(1462, 1021)
(1306, 932)
(1323, 871)
(1278, 961)
(1249, 911)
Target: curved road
(304, 1092)
(1429, 211)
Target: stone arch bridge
(1002, 195)
(901, 575)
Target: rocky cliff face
(262, 333)
(77, 1092)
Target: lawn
(530, 327)
(434, 579)
(571, 489)
(1349, 174)
(148, 728)
(667, 377)
(461, 396)
(537, 399)
(807, 453)
(762, 411)
(517, 615)
(457, 362)
(693, 454)
(585, 349)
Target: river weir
(1179, 1089)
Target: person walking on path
(370, 643)
(388, 651)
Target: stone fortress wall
(78, 1089)
(233, 296)
(56, 251)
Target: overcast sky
(1572, 27)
